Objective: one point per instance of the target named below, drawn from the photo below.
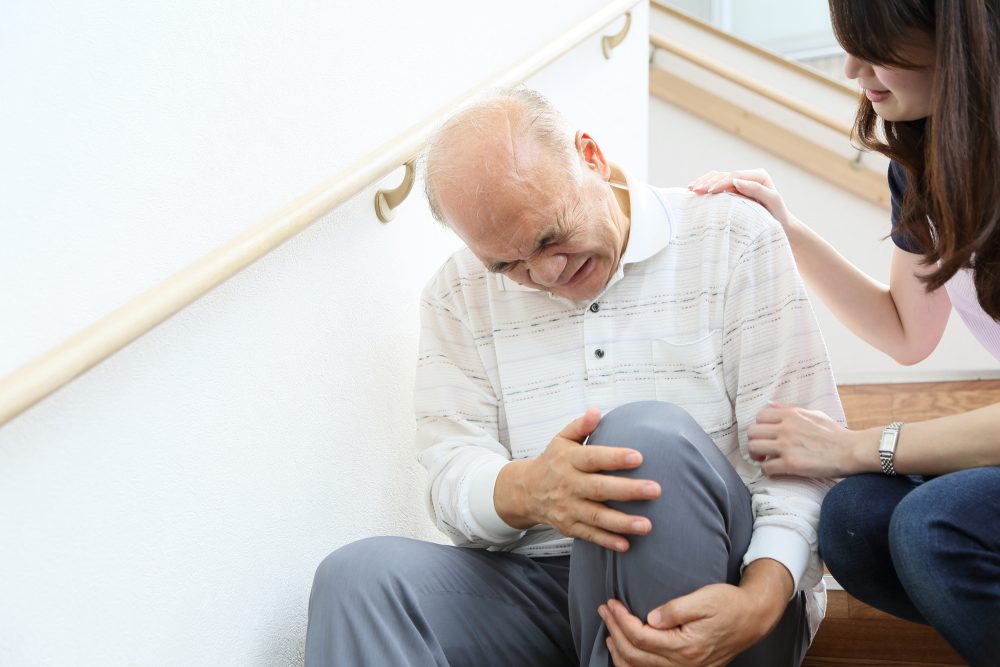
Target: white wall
(169, 507)
(781, 24)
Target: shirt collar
(651, 227)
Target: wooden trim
(757, 50)
(875, 405)
(756, 129)
(750, 84)
(45, 374)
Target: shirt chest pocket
(689, 373)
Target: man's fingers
(578, 429)
(679, 611)
(614, 638)
(623, 651)
(602, 517)
(596, 458)
(612, 487)
(598, 523)
(629, 624)
(600, 537)
(643, 642)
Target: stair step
(857, 634)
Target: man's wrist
(770, 586)
(510, 497)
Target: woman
(915, 528)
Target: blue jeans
(927, 551)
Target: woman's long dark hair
(952, 161)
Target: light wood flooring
(854, 633)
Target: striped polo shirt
(706, 310)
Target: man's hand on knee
(564, 488)
(708, 627)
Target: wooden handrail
(753, 85)
(757, 50)
(45, 374)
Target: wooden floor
(854, 633)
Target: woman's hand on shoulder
(755, 184)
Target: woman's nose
(853, 66)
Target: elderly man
(648, 536)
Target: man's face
(543, 230)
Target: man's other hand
(564, 488)
(707, 628)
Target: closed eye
(549, 239)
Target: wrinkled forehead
(489, 190)
(487, 155)
(505, 221)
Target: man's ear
(591, 155)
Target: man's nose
(546, 270)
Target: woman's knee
(945, 514)
(849, 528)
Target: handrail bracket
(386, 201)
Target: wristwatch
(887, 447)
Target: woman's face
(897, 93)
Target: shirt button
(594, 307)
(599, 353)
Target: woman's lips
(877, 95)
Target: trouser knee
(673, 445)
(359, 568)
(657, 430)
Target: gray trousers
(388, 601)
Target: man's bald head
(505, 142)
(531, 198)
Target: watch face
(885, 442)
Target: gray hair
(531, 115)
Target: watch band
(887, 447)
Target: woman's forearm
(903, 320)
(936, 446)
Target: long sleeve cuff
(783, 545)
(481, 486)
